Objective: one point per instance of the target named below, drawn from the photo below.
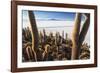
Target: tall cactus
(79, 36)
(75, 37)
(35, 35)
(84, 28)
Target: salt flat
(57, 26)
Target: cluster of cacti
(51, 47)
(85, 52)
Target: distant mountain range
(51, 19)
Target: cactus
(75, 36)
(84, 29)
(35, 36)
(79, 36)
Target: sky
(43, 16)
(50, 15)
(54, 15)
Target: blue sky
(48, 15)
(54, 15)
(43, 18)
